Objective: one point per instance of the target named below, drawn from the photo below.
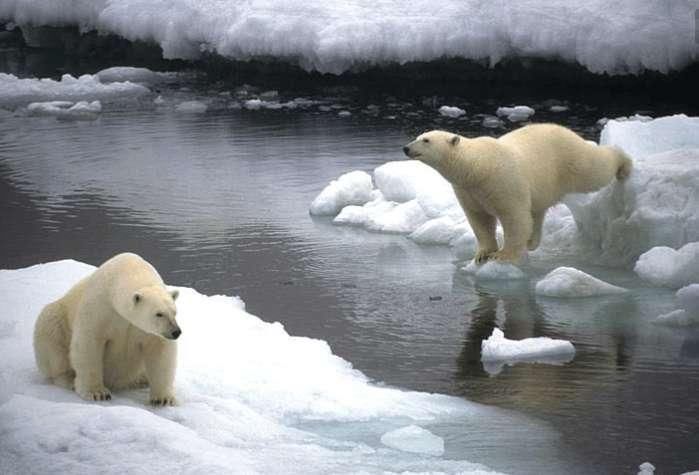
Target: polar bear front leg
(537, 224)
(517, 227)
(483, 226)
(87, 358)
(161, 363)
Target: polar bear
(516, 178)
(116, 329)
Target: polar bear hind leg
(51, 344)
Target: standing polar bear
(516, 178)
(113, 329)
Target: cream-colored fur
(516, 178)
(113, 329)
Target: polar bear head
(153, 311)
(433, 148)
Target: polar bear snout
(406, 150)
(175, 334)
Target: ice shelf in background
(336, 36)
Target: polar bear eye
(426, 140)
(159, 314)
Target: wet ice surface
(219, 201)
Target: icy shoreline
(335, 37)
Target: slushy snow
(337, 36)
(666, 267)
(245, 390)
(498, 350)
(15, 92)
(566, 282)
(414, 439)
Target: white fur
(113, 329)
(516, 178)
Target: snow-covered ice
(497, 351)
(336, 36)
(566, 282)
(353, 188)
(414, 439)
(15, 92)
(516, 113)
(245, 387)
(494, 270)
(658, 205)
(666, 267)
(191, 107)
(66, 110)
(451, 111)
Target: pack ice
(336, 36)
(246, 389)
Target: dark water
(219, 202)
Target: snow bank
(66, 110)
(658, 205)
(570, 282)
(336, 36)
(245, 388)
(667, 267)
(353, 188)
(414, 439)
(16, 92)
(497, 351)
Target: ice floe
(688, 313)
(666, 267)
(451, 111)
(568, 282)
(497, 351)
(66, 110)
(191, 107)
(133, 74)
(245, 387)
(353, 188)
(494, 270)
(516, 113)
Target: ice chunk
(677, 318)
(492, 122)
(191, 107)
(667, 267)
(453, 112)
(498, 350)
(442, 230)
(66, 110)
(658, 205)
(132, 74)
(401, 218)
(15, 92)
(401, 181)
(414, 439)
(558, 108)
(646, 468)
(353, 188)
(494, 270)
(516, 113)
(570, 282)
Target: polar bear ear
(136, 298)
(175, 293)
(454, 140)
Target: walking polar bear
(516, 178)
(116, 329)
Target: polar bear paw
(166, 400)
(504, 256)
(483, 255)
(98, 394)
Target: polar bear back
(557, 161)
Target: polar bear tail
(625, 165)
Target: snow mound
(516, 113)
(66, 110)
(335, 36)
(132, 74)
(353, 188)
(414, 439)
(450, 111)
(658, 205)
(245, 388)
(569, 282)
(191, 107)
(494, 270)
(497, 351)
(667, 267)
(15, 92)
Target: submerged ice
(246, 388)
